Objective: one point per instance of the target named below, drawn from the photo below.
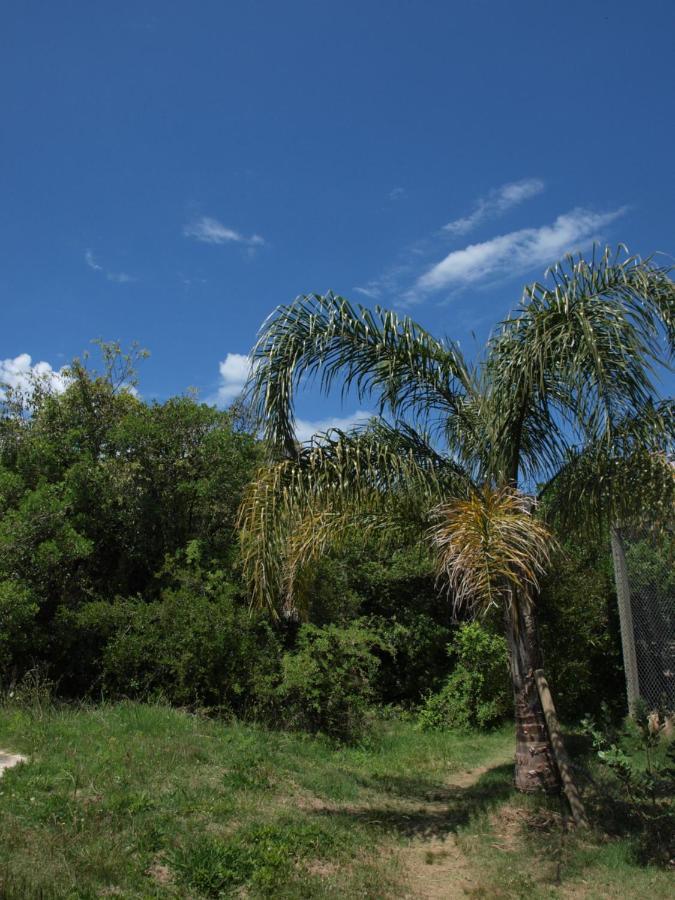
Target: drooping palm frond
(628, 478)
(490, 547)
(376, 353)
(585, 347)
(380, 480)
(561, 381)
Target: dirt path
(433, 864)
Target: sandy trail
(433, 864)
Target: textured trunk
(535, 764)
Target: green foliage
(197, 645)
(395, 596)
(414, 660)
(476, 695)
(327, 681)
(97, 490)
(651, 568)
(17, 613)
(637, 764)
(120, 572)
(579, 628)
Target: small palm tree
(557, 424)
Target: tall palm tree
(557, 424)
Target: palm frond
(630, 478)
(587, 346)
(490, 547)
(376, 353)
(378, 479)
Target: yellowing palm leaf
(490, 546)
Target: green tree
(97, 489)
(562, 397)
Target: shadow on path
(421, 808)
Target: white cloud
(397, 193)
(234, 372)
(518, 251)
(211, 231)
(372, 291)
(119, 277)
(90, 260)
(305, 429)
(20, 373)
(116, 277)
(497, 202)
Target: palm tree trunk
(535, 764)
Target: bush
(395, 595)
(197, 646)
(579, 628)
(328, 681)
(415, 660)
(477, 694)
(17, 613)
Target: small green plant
(637, 763)
(476, 695)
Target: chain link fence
(644, 566)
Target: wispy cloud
(119, 277)
(90, 260)
(496, 203)
(388, 283)
(372, 292)
(397, 193)
(517, 251)
(21, 374)
(305, 429)
(95, 266)
(211, 231)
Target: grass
(523, 850)
(140, 801)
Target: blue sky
(171, 171)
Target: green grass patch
(141, 801)
(146, 801)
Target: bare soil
(433, 864)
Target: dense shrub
(99, 489)
(328, 680)
(477, 694)
(17, 613)
(579, 628)
(395, 595)
(414, 660)
(198, 645)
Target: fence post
(559, 752)
(626, 620)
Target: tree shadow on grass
(429, 809)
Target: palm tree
(557, 424)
